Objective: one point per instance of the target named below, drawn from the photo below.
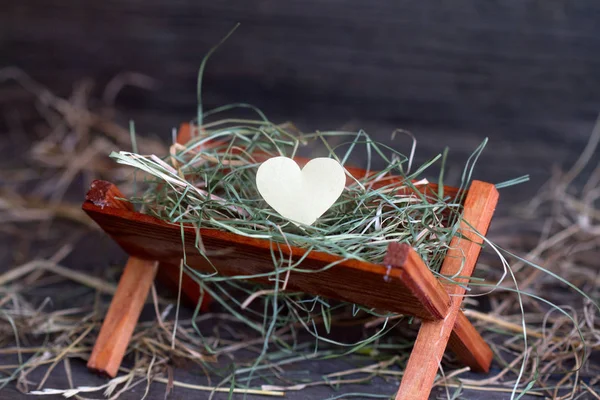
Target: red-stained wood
(465, 341)
(433, 336)
(404, 286)
(470, 348)
(105, 194)
(416, 276)
(122, 316)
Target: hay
(559, 232)
(216, 188)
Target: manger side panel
(352, 281)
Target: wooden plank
(404, 286)
(105, 194)
(416, 65)
(424, 285)
(122, 316)
(433, 336)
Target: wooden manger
(402, 284)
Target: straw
(276, 351)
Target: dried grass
(560, 231)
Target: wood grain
(464, 251)
(460, 65)
(465, 341)
(126, 305)
(122, 316)
(417, 276)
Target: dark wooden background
(524, 73)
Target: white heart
(304, 195)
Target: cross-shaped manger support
(403, 284)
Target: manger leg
(433, 336)
(429, 348)
(469, 346)
(426, 356)
(122, 316)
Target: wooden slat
(426, 287)
(461, 258)
(406, 287)
(122, 316)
